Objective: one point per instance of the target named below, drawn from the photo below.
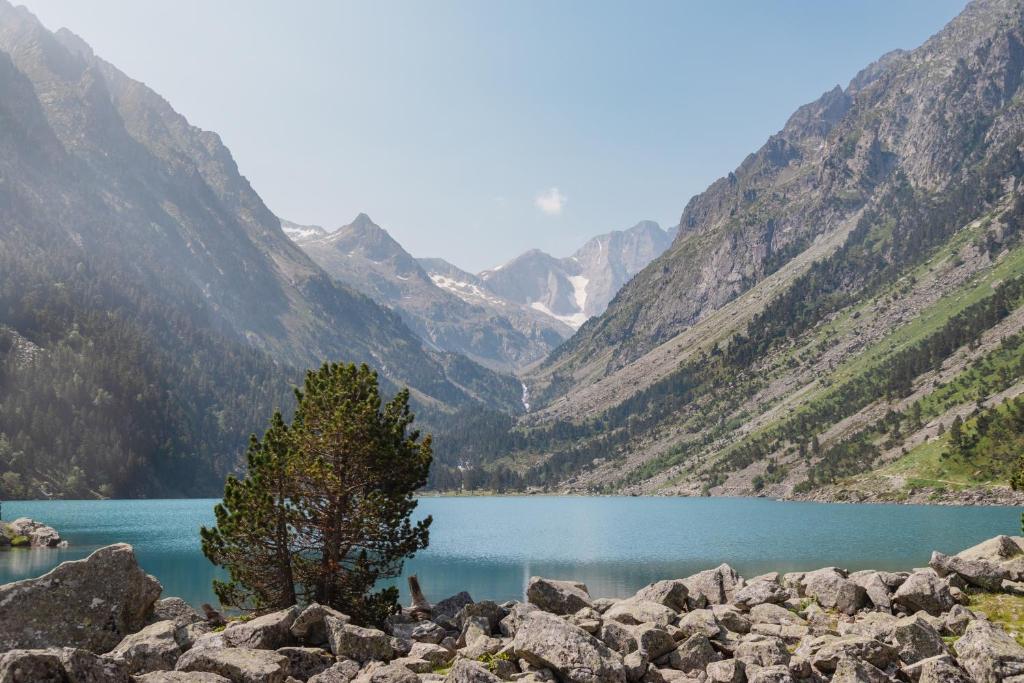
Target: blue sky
(477, 129)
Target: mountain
(578, 287)
(152, 309)
(489, 330)
(827, 311)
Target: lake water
(490, 546)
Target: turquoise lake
(490, 546)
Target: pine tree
(324, 512)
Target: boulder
(450, 606)
(306, 662)
(419, 632)
(772, 674)
(557, 597)
(878, 625)
(640, 612)
(180, 677)
(700, 621)
(854, 671)
(670, 593)
(619, 637)
(718, 585)
(761, 651)
(731, 618)
(726, 671)
(916, 639)
(774, 614)
(875, 587)
(998, 549)
(267, 632)
(176, 610)
(90, 604)
(38, 534)
(546, 641)
(825, 652)
(925, 591)
(981, 573)
(309, 626)
(510, 624)
(989, 654)
(355, 642)
(154, 648)
(759, 593)
(379, 672)
(435, 654)
(466, 671)
(693, 654)
(485, 609)
(635, 664)
(833, 590)
(938, 670)
(652, 640)
(342, 672)
(955, 621)
(31, 666)
(238, 665)
(82, 666)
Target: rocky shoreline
(102, 619)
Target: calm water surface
(490, 546)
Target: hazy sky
(477, 129)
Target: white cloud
(551, 201)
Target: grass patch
(1003, 609)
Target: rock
(466, 671)
(635, 664)
(82, 666)
(238, 665)
(924, 590)
(653, 640)
(827, 651)
(306, 662)
(639, 612)
(89, 604)
(939, 670)
(309, 627)
(989, 654)
(342, 672)
(619, 637)
(670, 593)
(176, 610)
(557, 597)
(774, 614)
(726, 671)
(693, 654)
(355, 642)
(267, 632)
(180, 677)
(435, 654)
(31, 666)
(39, 535)
(833, 590)
(486, 609)
(761, 651)
(449, 607)
(853, 671)
(546, 641)
(955, 621)
(475, 627)
(998, 549)
(718, 586)
(759, 593)
(981, 573)
(510, 624)
(875, 587)
(772, 674)
(731, 618)
(916, 639)
(700, 621)
(482, 647)
(379, 672)
(419, 632)
(877, 625)
(154, 648)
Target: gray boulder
(180, 677)
(827, 651)
(154, 648)
(759, 593)
(726, 671)
(939, 670)
(557, 597)
(467, 671)
(718, 585)
(833, 590)
(875, 587)
(925, 591)
(82, 666)
(238, 665)
(916, 639)
(38, 534)
(640, 612)
(419, 632)
(306, 662)
(981, 573)
(671, 593)
(772, 674)
(379, 672)
(32, 666)
(989, 654)
(545, 641)
(756, 651)
(450, 606)
(693, 654)
(90, 604)
(309, 626)
(342, 672)
(176, 610)
(355, 642)
(485, 609)
(267, 632)
(854, 671)
(700, 621)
